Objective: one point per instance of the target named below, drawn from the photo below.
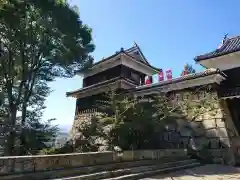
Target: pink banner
(160, 75)
(169, 74)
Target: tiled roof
(99, 84)
(230, 45)
(182, 78)
(129, 53)
(205, 73)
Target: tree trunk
(10, 138)
(22, 136)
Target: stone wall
(38, 163)
(153, 154)
(211, 129)
(80, 117)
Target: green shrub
(48, 151)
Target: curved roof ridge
(233, 37)
(230, 45)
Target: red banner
(169, 74)
(148, 80)
(184, 73)
(160, 75)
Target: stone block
(220, 122)
(7, 165)
(185, 140)
(186, 132)
(153, 154)
(127, 155)
(225, 141)
(209, 123)
(219, 114)
(218, 160)
(206, 115)
(201, 141)
(222, 132)
(214, 143)
(211, 133)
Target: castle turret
(126, 69)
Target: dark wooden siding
(133, 75)
(118, 71)
(89, 102)
(102, 76)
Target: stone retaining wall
(79, 117)
(22, 164)
(209, 127)
(153, 154)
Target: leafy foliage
(67, 148)
(200, 102)
(125, 123)
(130, 123)
(46, 151)
(37, 135)
(90, 136)
(36, 46)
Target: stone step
(146, 174)
(126, 171)
(107, 174)
(51, 174)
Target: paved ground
(207, 172)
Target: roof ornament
(121, 50)
(135, 44)
(225, 38)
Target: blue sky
(169, 32)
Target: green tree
(188, 69)
(36, 47)
(1, 98)
(125, 122)
(131, 123)
(138, 129)
(36, 133)
(102, 131)
(146, 123)
(115, 107)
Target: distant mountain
(62, 134)
(65, 128)
(61, 139)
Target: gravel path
(207, 172)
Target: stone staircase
(127, 170)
